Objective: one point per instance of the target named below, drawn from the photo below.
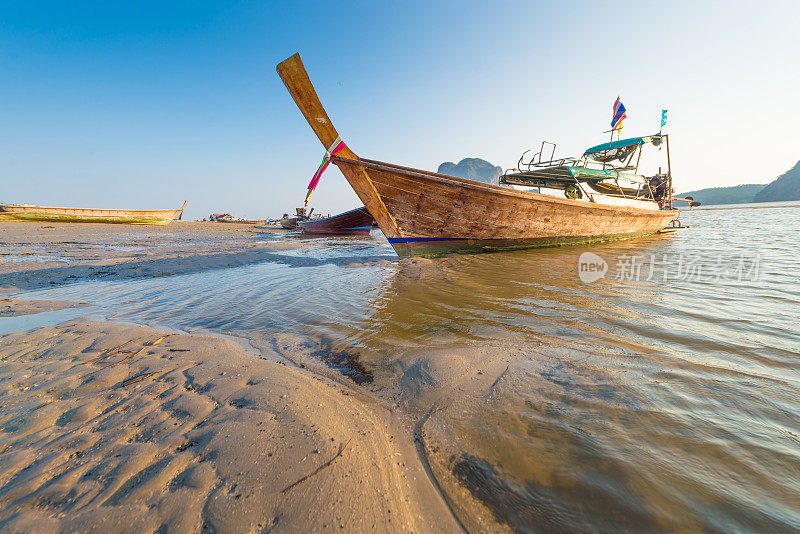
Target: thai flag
(619, 114)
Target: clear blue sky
(145, 104)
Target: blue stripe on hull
(419, 239)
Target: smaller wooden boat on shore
(290, 223)
(31, 212)
(354, 222)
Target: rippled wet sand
(540, 401)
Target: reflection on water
(542, 400)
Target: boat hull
(438, 214)
(288, 224)
(353, 222)
(14, 212)
(405, 247)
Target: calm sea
(648, 384)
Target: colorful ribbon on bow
(326, 159)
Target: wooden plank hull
(353, 222)
(14, 212)
(438, 214)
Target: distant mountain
(785, 187)
(472, 169)
(738, 194)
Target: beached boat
(354, 222)
(424, 213)
(290, 223)
(30, 212)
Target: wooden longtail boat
(426, 213)
(353, 222)
(288, 223)
(27, 212)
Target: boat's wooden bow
(179, 214)
(295, 78)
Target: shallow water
(663, 396)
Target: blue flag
(663, 117)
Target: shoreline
(11, 307)
(122, 426)
(46, 254)
(63, 253)
(116, 426)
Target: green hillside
(785, 187)
(738, 194)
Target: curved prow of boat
(179, 215)
(295, 78)
(354, 222)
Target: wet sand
(14, 307)
(123, 427)
(119, 427)
(41, 254)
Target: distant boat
(290, 223)
(228, 218)
(30, 212)
(240, 221)
(354, 222)
(426, 213)
(270, 224)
